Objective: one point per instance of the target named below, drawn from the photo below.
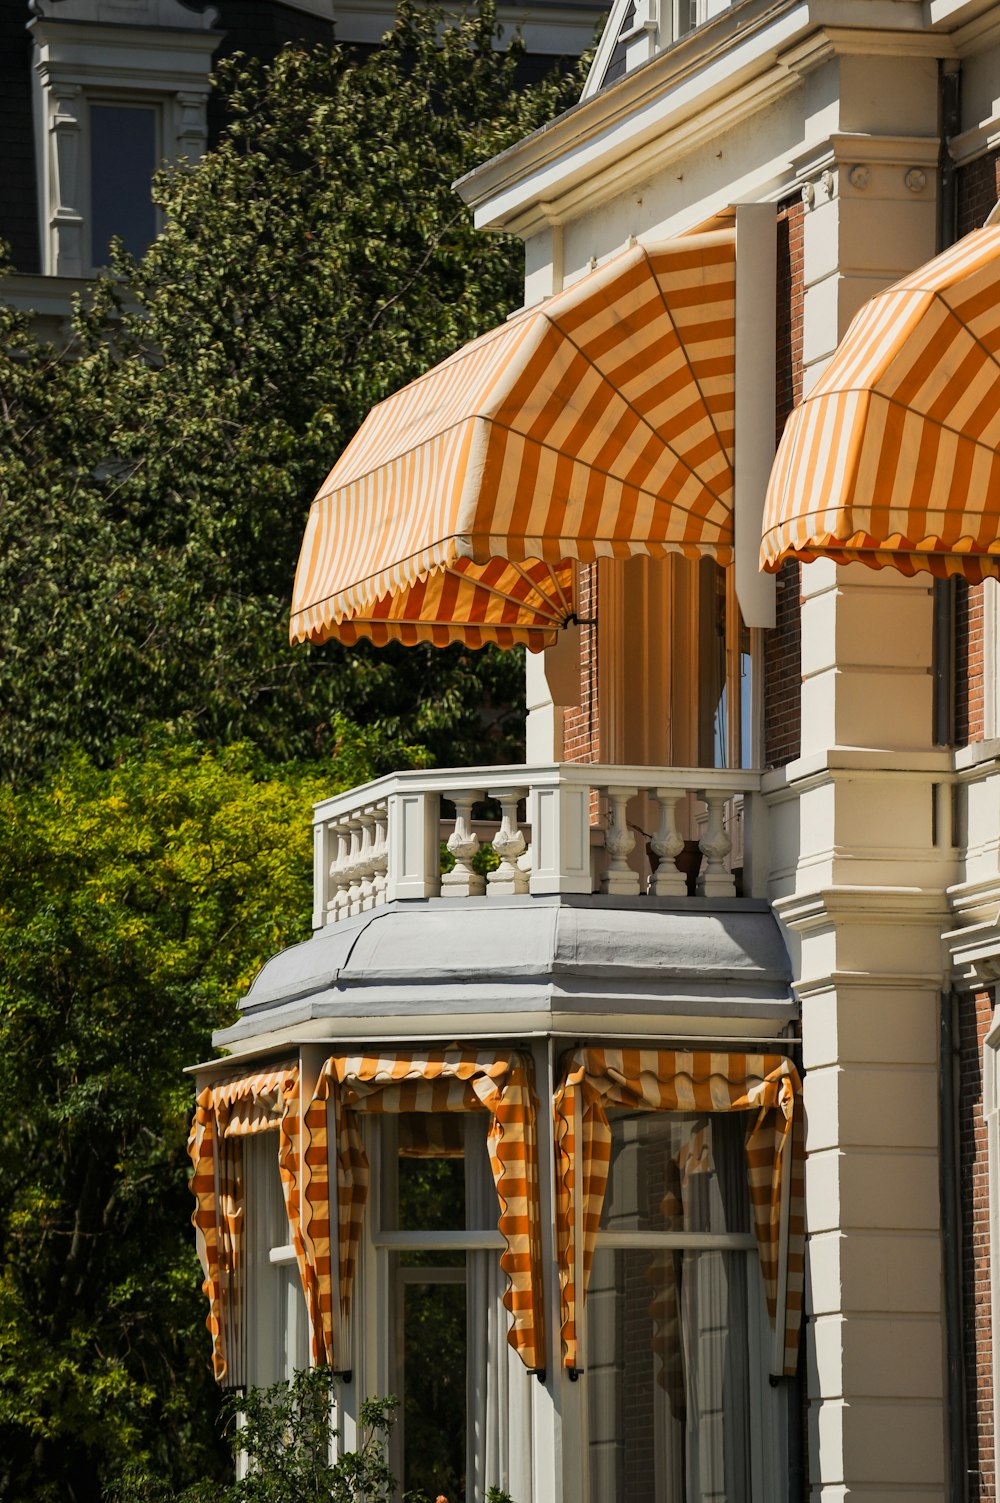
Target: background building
(94, 94)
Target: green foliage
(136, 904)
(155, 485)
(155, 478)
(285, 1435)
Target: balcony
(655, 832)
(624, 902)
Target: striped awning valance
(242, 1105)
(892, 457)
(598, 423)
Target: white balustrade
(382, 842)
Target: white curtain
(499, 1388)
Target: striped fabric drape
(225, 1114)
(892, 457)
(764, 1085)
(598, 423)
(420, 1081)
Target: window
(690, 697)
(278, 1326)
(679, 1407)
(123, 156)
(445, 1337)
(112, 100)
(726, 718)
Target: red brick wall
(969, 683)
(783, 645)
(975, 1018)
(978, 187)
(582, 723)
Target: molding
(975, 952)
(843, 147)
(979, 34)
(975, 143)
(805, 913)
(850, 762)
(733, 68)
(979, 900)
(834, 41)
(698, 75)
(811, 987)
(977, 760)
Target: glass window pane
(122, 160)
(668, 1377)
(443, 1172)
(676, 1173)
(713, 698)
(433, 1384)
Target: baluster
(365, 866)
(509, 844)
(716, 881)
(619, 841)
(338, 874)
(380, 853)
(353, 872)
(462, 881)
(668, 842)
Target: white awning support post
(754, 443)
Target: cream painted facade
(876, 849)
(840, 103)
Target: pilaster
(866, 904)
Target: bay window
(678, 1398)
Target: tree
(136, 903)
(155, 478)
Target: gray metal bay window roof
(566, 964)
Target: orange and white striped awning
(892, 457)
(597, 424)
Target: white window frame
(159, 57)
